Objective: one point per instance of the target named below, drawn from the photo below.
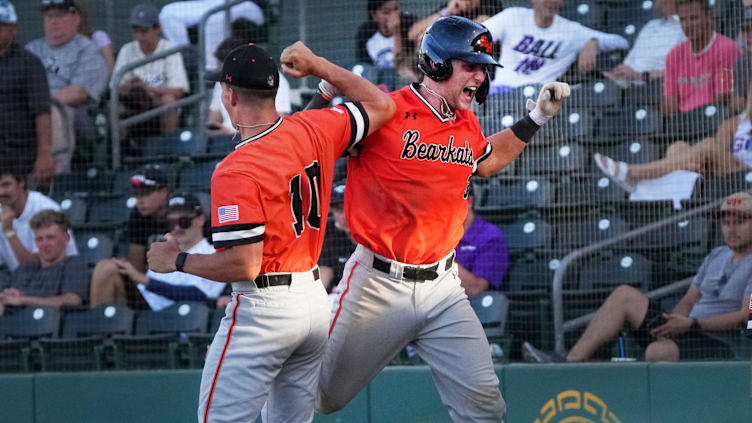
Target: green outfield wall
(706, 392)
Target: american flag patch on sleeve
(228, 213)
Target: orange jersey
(406, 192)
(275, 187)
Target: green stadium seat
(196, 177)
(94, 246)
(76, 208)
(611, 270)
(15, 356)
(517, 194)
(526, 235)
(592, 229)
(111, 211)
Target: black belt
(412, 272)
(266, 280)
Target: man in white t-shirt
(186, 220)
(538, 45)
(153, 84)
(647, 59)
(17, 207)
(218, 121)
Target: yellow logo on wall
(576, 407)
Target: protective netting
(655, 130)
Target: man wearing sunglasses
(185, 222)
(77, 74)
(109, 284)
(153, 84)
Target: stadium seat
(184, 142)
(696, 124)
(594, 228)
(111, 211)
(516, 194)
(611, 270)
(531, 272)
(723, 186)
(633, 121)
(158, 334)
(221, 145)
(686, 233)
(76, 208)
(84, 183)
(497, 114)
(94, 246)
(649, 94)
(586, 12)
(526, 235)
(571, 124)
(632, 151)
(628, 18)
(196, 177)
(69, 355)
(110, 319)
(30, 323)
(491, 307)
(589, 190)
(595, 95)
(554, 160)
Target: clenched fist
(298, 60)
(549, 102)
(162, 255)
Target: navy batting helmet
(455, 37)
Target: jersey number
(313, 172)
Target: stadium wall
(706, 392)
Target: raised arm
(299, 61)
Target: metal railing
(560, 326)
(116, 125)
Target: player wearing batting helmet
(405, 203)
(270, 202)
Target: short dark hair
(227, 45)
(375, 4)
(250, 95)
(704, 3)
(11, 167)
(47, 218)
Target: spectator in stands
(99, 37)
(701, 324)
(177, 16)
(25, 104)
(646, 60)
(729, 151)
(186, 219)
(58, 279)
(17, 207)
(743, 65)
(156, 83)
(218, 121)
(475, 10)
(382, 41)
(698, 71)
(77, 74)
(147, 223)
(482, 255)
(538, 45)
(338, 243)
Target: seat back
(30, 323)
(526, 235)
(608, 272)
(109, 319)
(183, 317)
(94, 246)
(491, 308)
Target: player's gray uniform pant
(379, 314)
(268, 349)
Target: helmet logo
(483, 44)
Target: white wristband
(538, 117)
(328, 90)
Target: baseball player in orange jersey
(270, 201)
(405, 203)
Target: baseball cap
(149, 178)
(248, 66)
(338, 193)
(144, 16)
(69, 5)
(184, 201)
(7, 12)
(739, 203)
